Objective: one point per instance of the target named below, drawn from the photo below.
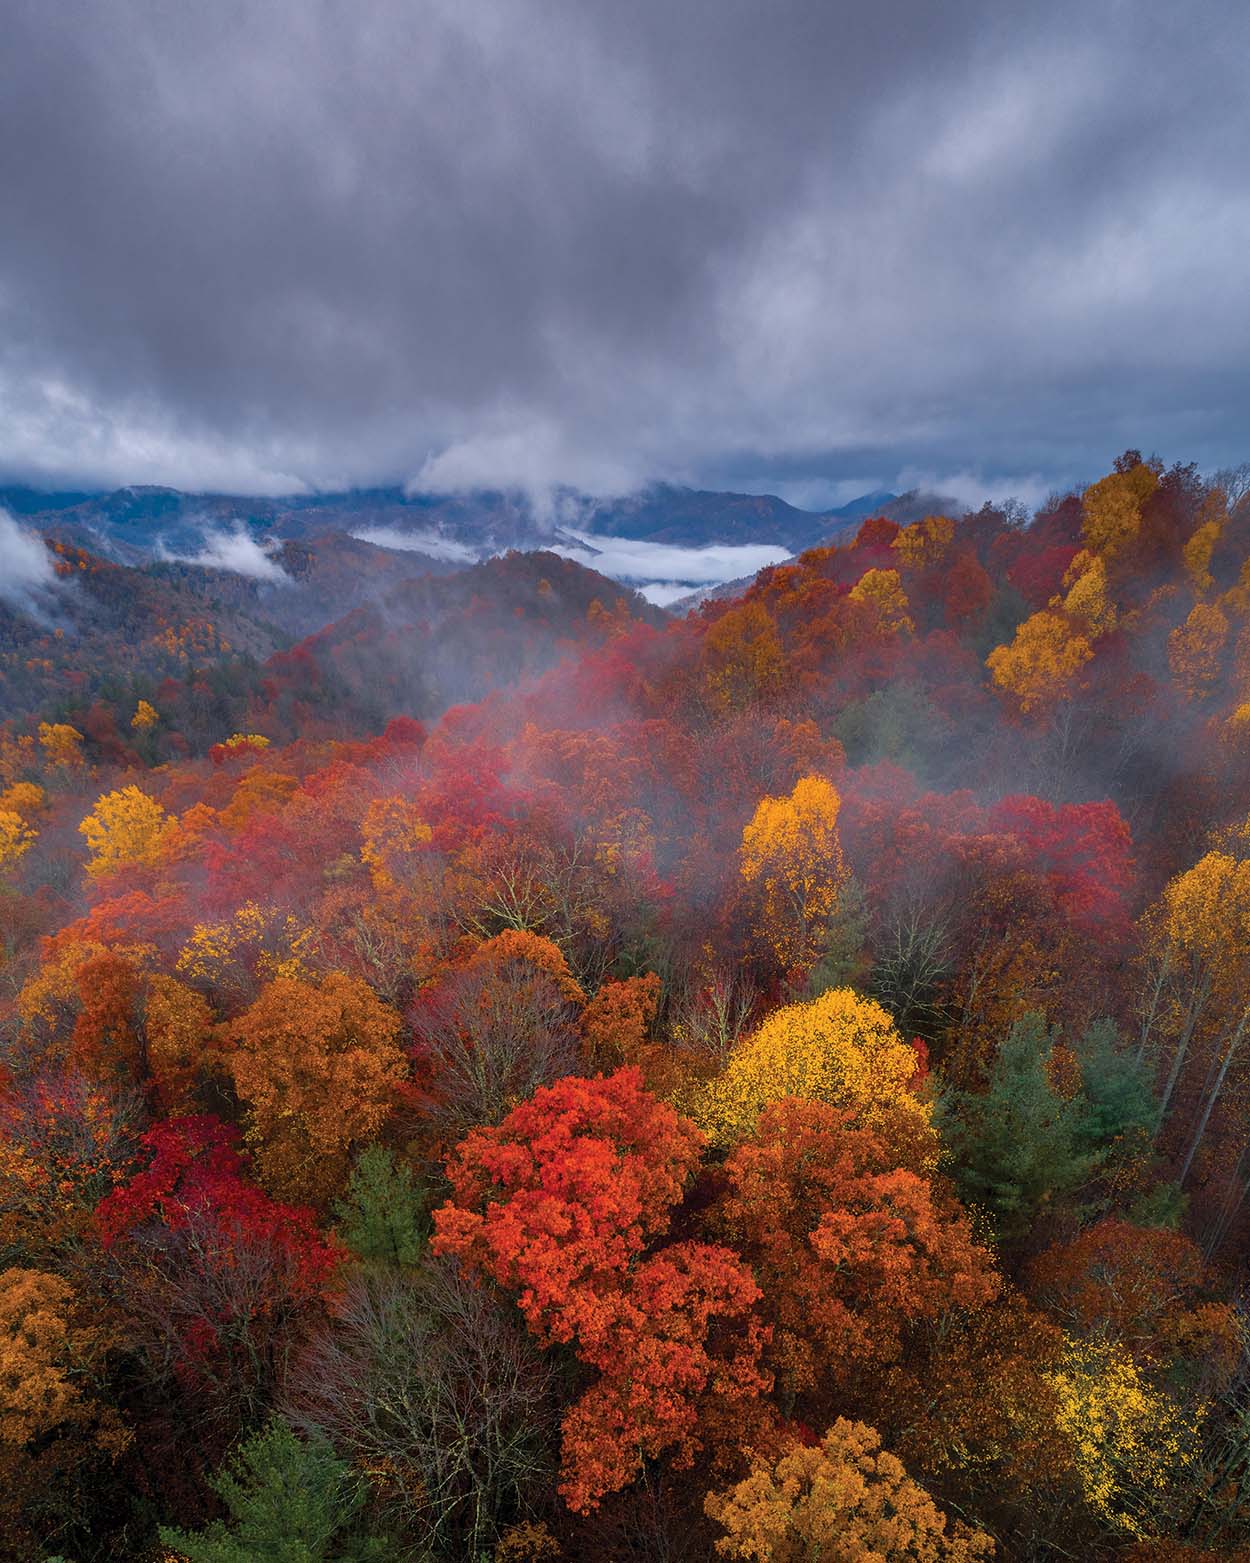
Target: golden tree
(1197, 992)
(844, 1500)
(882, 591)
(839, 1048)
(923, 544)
(46, 1355)
(16, 839)
(1113, 509)
(1194, 649)
(393, 835)
(1129, 1440)
(317, 1067)
(742, 661)
(791, 864)
(61, 745)
(126, 829)
(1039, 666)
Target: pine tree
(1116, 1086)
(384, 1215)
(289, 1502)
(1020, 1144)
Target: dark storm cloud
(811, 244)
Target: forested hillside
(512, 1076)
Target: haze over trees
(768, 1084)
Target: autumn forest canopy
(506, 1074)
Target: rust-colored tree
(850, 1249)
(560, 1204)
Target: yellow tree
(1197, 992)
(1130, 1442)
(126, 829)
(1201, 545)
(1194, 649)
(24, 798)
(742, 662)
(1113, 509)
(393, 836)
(844, 1500)
(317, 1067)
(839, 1048)
(924, 544)
(145, 717)
(1087, 599)
(1039, 666)
(16, 839)
(882, 591)
(61, 745)
(791, 864)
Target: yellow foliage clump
(1113, 509)
(1041, 662)
(1194, 649)
(883, 591)
(1197, 555)
(838, 1048)
(259, 792)
(61, 745)
(24, 798)
(845, 1500)
(393, 834)
(239, 742)
(791, 860)
(126, 829)
(16, 839)
(742, 660)
(145, 717)
(1129, 1440)
(923, 544)
(256, 943)
(1087, 598)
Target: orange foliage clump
(45, 1354)
(617, 1020)
(844, 1500)
(559, 1204)
(849, 1247)
(178, 1024)
(1144, 1286)
(318, 1067)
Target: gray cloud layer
(791, 243)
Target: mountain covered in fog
(147, 520)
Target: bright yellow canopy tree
(791, 863)
(839, 1048)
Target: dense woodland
(768, 1085)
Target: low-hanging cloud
(665, 565)
(239, 552)
(418, 541)
(536, 243)
(27, 578)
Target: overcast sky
(799, 245)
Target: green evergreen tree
(384, 1214)
(288, 1502)
(1019, 1145)
(1116, 1085)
